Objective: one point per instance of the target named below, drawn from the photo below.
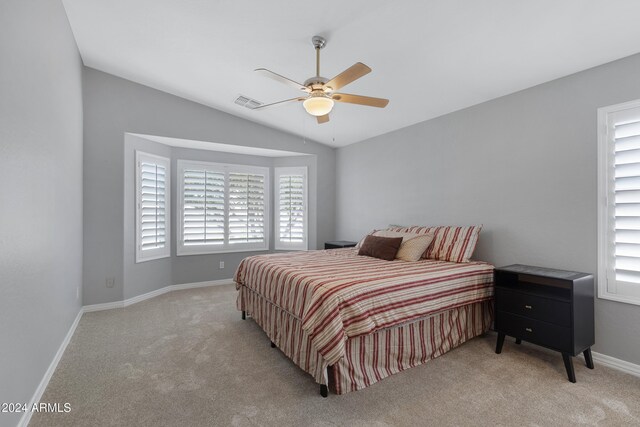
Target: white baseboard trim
(104, 306)
(620, 365)
(26, 417)
(157, 292)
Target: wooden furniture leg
(273, 345)
(244, 315)
(588, 358)
(568, 364)
(499, 343)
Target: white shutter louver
(152, 194)
(246, 208)
(626, 193)
(223, 208)
(291, 215)
(152, 206)
(203, 216)
(291, 208)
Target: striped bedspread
(339, 295)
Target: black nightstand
(339, 244)
(550, 308)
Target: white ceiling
(428, 57)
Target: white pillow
(412, 248)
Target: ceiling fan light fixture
(318, 105)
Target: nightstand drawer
(534, 331)
(527, 305)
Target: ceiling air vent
(247, 102)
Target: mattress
(337, 294)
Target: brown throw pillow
(380, 247)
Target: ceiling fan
(321, 92)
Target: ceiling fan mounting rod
(318, 42)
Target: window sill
(219, 252)
(627, 299)
(151, 258)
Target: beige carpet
(187, 359)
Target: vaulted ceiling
(428, 57)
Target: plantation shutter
(626, 196)
(291, 208)
(223, 207)
(246, 208)
(203, 207)
(152, 207)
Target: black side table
(550, 308)
(339, 244)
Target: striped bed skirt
(373, 357)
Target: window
(291, 208)
(619, 202)
(152, 207)
(223, 208)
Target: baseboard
(201, 284)
(152, 294)
(144, 297)
(104, 306)
(620, 365)
(26, 417)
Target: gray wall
(149, 275)
(113, 107)
(523, 165)
(40, 192)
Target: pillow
(413, 248)
(362, 240)
(454, 244)
(391, 233)
(380, 247)
(386, 233)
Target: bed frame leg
(244, 315)
(273, 345)
(324, 390)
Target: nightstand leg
(499, 343)
(518, 341)
(568, 364)
(588, 358)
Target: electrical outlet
(111, 281)
(221, 264)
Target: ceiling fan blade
(282, 79)
(361, 100)
(322, 119)
(279, 102)
(352, 73)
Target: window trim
(159, 253)
(609, 289)
(181, 249)
(293, 170)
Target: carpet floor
(187, 359)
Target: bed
(350, 321)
